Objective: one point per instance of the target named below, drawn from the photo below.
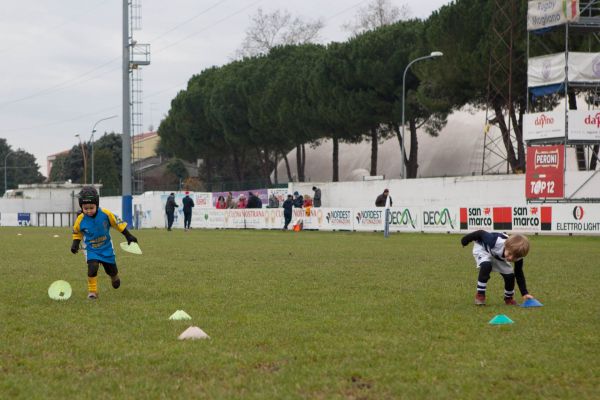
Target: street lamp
(92, 141)
(433, 54)
(5, 184)
(84, 159)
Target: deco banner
(545, 13)
(545, 172)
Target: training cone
(179, 315)
(193, 332)
(501, 319)
(531, 303)
(131, 248)
(59, 290)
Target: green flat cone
(501, 319)
(131, 248)
(179, 315)
(59, 290)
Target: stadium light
(433, 54)
(84, 159)
(92, 141)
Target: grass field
(309, 315)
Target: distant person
(381, 199)
(298, 200)
(188, 204)
(229, 202)
(93, 226)
(220, 204)
(253, 201)
(308, 201)
(316, 197)
(494, 251)
(242, 201)
(273, 201)
(170, 210)
(288, 204)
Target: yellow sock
(93, 284)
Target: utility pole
(127, 199)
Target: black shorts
(93, 265)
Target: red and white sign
(545, 172)
(544, 125)
(584, 125)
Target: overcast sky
(61, 60)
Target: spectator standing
(288, 204)
(188, 204)
(316, 197)
(221, 204)
(170, 210)
(273, 201)
(229, 203)
(253, 201)
(298, 200)
(308, 202)
(381, 199)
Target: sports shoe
(116, 283)
(480, 299)
(92, 295)
(509, 301)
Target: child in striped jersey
(494, 251)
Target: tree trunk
(287, 167)
(335, 157)
(208, 173)
(402, 155)
(374, 148)
(300, 162)
(412, 165)
(579, 149)
(594, 158)
(518, 129)
(275, 177)
(303, 162)
(510, 151)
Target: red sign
(545, 172)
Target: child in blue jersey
(92, 226)
(494, 251)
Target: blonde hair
(518, 245)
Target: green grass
(308, 315)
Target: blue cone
(501, 319)
(531, 303)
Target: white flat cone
(179, 315)
(193, 332)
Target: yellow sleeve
(115, 221)
(77, 235)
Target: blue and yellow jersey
(96, 236)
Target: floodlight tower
(134, 56)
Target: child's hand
(527, 297)
(464, 240)
(75, 246)
(130, 238)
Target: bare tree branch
(376, 14)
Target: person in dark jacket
(298, 200)
(188, 204)
(253, 201)
(170, 210)
(381, 199)
(288, 204)
(316, 197)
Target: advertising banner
(440, 219)
(545, 13)
(584, 67)
(544, 125)
(531, 218)
(24, 219)
(369, 219)
(545, 172)
(582, 218)
(280, 194)
(336, 219)
(405, 219)
(475, 218)
(200, 199)
(546, 70)
(584, 125)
